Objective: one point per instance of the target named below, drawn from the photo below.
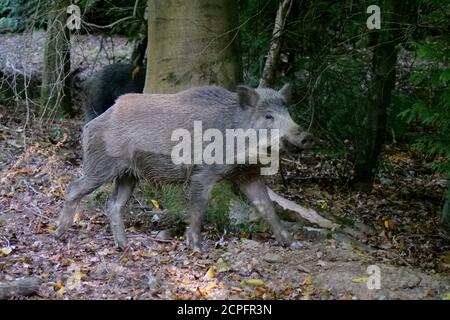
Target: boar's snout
(297, 141)
(305, 140)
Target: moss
(99, 197)
(170, 197)
(217, 212)
(173, 199)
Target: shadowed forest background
(373, 191)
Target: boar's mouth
(290, 148)
(301, 143)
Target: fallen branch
(357, 230)
(20, 287)
(306, 213)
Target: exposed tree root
(358, 230)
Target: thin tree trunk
(191, 44)
(445, 217)
(138, 54)
(268, 74)
(383, 70)
(55, 90)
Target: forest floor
(408, 247)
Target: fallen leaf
(389, 224)
(60, 292)
(209, 274)
(77, 218)
(287, 291)
(74, 281)
(252, 283)
(58, 285)
(273, 258)
(308, 280)
(222, 266)
(212, 285)
(346, 296)
(6, 251)
(155, 204)
(360, 280)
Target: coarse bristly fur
(132, 139)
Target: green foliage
(131, 15)
(123, 15)
(431, 107)
(336, 93)
(397, 125)
(15, 15)
(256, 21)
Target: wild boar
(105, 86)
(136, 138)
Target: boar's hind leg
(256, 192)
(201, 185)
(123, 190)
(75, 192)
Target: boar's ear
(286, 92)
(247, 96)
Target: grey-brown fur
(132, 139)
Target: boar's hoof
(194, 240)
(284, 238)
(296, 245)
(60, 232)
(121, 243)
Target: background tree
(268, 75)
(55, 90)
(191, 44)
(384, 60)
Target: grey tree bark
(268, 75)
(445, 217)
(192, 43)
(55, 90)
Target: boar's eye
(269, 116)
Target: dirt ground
(409, 250)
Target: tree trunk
(383, 72)
(445, 218)
(55, 90)
(268, 75)
(138, 54)
(192, 43)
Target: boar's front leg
(200, 189)
(256, 192)
(75, 192)
(123, 190)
